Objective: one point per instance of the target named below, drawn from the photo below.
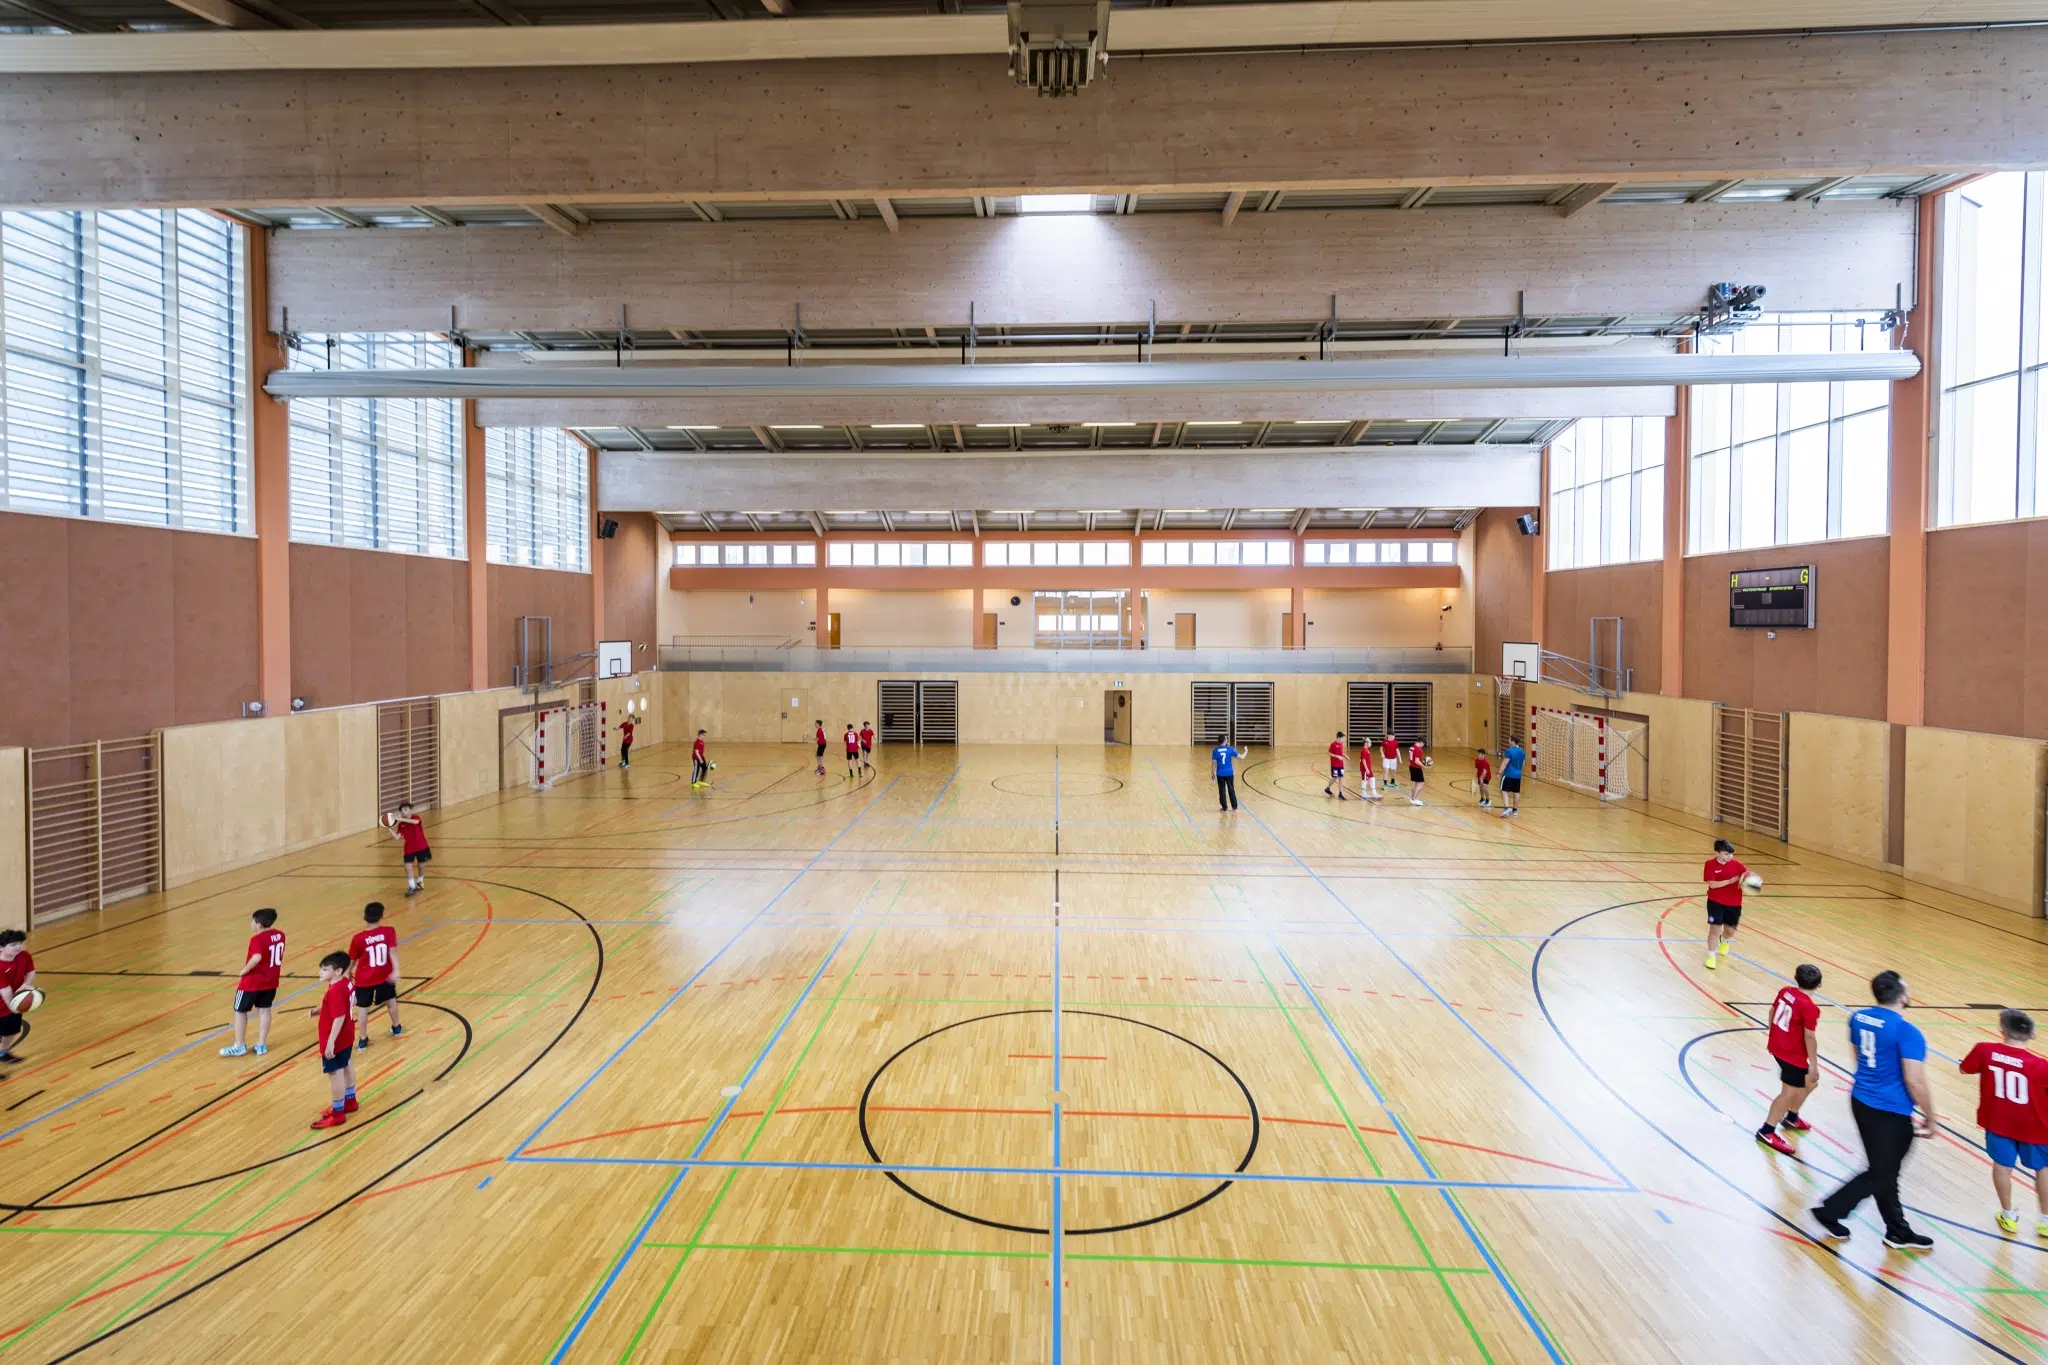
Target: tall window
(377, 473)
(537, 500)
(1607, 492)
(123, 384)
(1992, 454)
(1783, 464)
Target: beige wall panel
(882, 620)
(13, 838)
(1241, 619)
(313, 779)
(701, 613)
(226, 794)
(1838, 781)
(1974, 815)
(469, 742)
(649, 727)
(1406, 618)
(1427, 263)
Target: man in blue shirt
(1511, 762)
(1891, 1082)
(1223, 759)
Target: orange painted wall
(1837, 668)
(1503, 561)
(1987, 628)
(632, 562)
(518, 591)
(1634, 592)
(370, 625)
(112, 630)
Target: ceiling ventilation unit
(1058, 46)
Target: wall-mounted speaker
(606, 528)
(1526, 523)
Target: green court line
(848, 1251)
(1414, 1232)
(1046, 1003)
(1111, 1257)
(1282, 1263)
(761, 1125)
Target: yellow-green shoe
(2008, 1222)
(1712, 962)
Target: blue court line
(709, 962)
(174, 1052)
(717, 1122)
(936, 799)
(1077, 1173)
(1055, 1226)
(1437, 995)
(1169, 790)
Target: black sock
(1791, 1115)
(1767, 1128)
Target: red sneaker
(330, 1119)
(1777, 1143)
(348, 1106)
(1798, 1125)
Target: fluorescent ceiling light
(793, 426)
(1109, 424)
(1230, 423)
(693, 428)
(1055, 203)
(1001, 425)
(898, 426)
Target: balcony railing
(707, 658)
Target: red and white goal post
(568, 740)
(1590, 753)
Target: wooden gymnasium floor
(1309, 1083)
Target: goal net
(1594, 754)
(567, 742)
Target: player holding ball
(1725, 877)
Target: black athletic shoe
(1908, 1240)
(1835, 1228)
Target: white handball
(713, 767)
(388, 818)
(1753, 882)
(26, 999)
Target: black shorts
(254, 1000)
(1729, 915)
(1415, 775)
(867, 748)
(1511, 784)
(10, 1024)
(337, 1061)
(821, 751)
(1336, 773)
(1794, 1076)
(369, 997)
(425, 855)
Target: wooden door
(1184, 630)
(796, 717)
(832, 631)
(988, 630)
(1287, 630)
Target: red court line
(489, 914)
(1683, 975)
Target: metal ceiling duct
(1132, 380)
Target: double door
(918, 712)
(1240, 713)
(1372, 709)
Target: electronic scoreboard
(1771, 597)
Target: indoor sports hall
(943, 681)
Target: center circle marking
(874, 1153)
(1069, 784)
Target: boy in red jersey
(1368, 785)
(2012, 1108)
(257, 990)
(337, 1041)
(411, 832)
(17, 973)
(852, 741)
(626, 742)
(1795, 1047)
(1723, 876)
(1336, 766)
(820, 737)
(867, 745)
(1418, 759)
(700, 764)
(1390, 759)
(373, 966)
(1482, 777)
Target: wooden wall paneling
(1974, 815)
(1837, 801)
(13, 838)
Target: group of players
(1371, 788)
(352, 985)
(860, 748)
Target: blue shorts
(338, 1062)
(2010, 1152)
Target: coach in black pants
(1891, 1083)
(1223, 759)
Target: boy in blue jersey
(1223, 760)
(1891, 1082)
(1511, 761)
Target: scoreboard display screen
(1771, 597)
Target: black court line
(23, 1100)
(115, 1058)
(597, 976)
(1536, 985)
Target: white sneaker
(234, 1050)
(1414, 800)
